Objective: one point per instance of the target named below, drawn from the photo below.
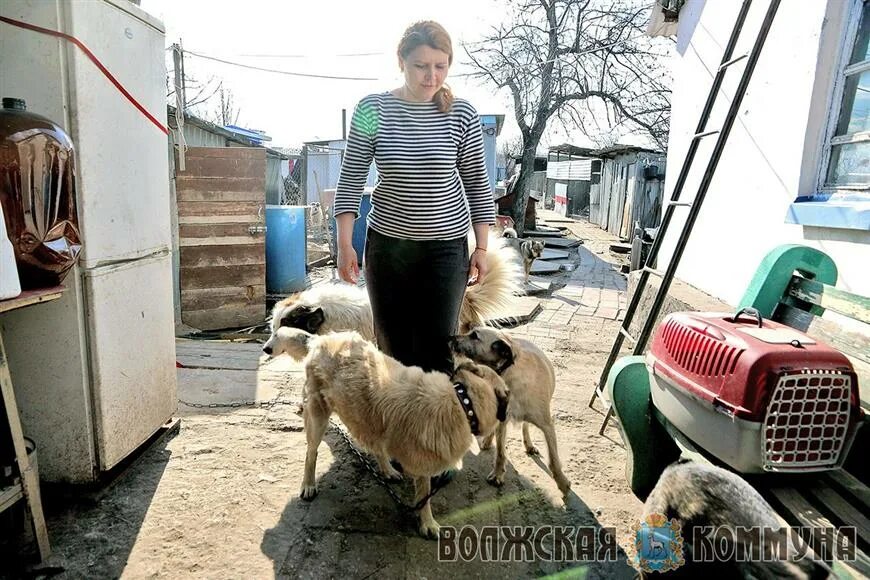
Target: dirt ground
(219, 497)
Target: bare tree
(586, 63)
(228, 114)
(510, 149)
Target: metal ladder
(701, 132)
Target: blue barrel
(359, 226)
(286, 250)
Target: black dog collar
(467, 406)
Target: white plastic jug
(10, 286)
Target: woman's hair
(433, 35)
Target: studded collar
(467, 406)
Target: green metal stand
(649, 447)
(773, 275)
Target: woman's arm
(358, 158)
(472, 171)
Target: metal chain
(376, 472)
(238, 404)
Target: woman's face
(425, 70)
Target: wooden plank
(805, 514)
(246, 220)
(212, 195)
(845, 511)
(195, 185)
(217, 208)
(239, 361)
(221, 194)
(222, 276)
(224, 318)
(186, 231)
(229, 153)
(192, 347)
(852, 485)
(521, 310)
(852, 343)
(9, 496)
(248, 240)
(29, 479)
(840, 301)
(228, 255)
(206, 298)
(211, 166)
(31, 297)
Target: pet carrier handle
(751, 312)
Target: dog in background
(530, 377)
(393, 411)
(699, 495)
(326, 308)
(337, 307)
(529, 250)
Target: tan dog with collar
(424, 420)
(530, 377)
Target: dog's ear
(503, 350)
(292, 316)
(315, 320)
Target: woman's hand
(477, 267)
(348, 268)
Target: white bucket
(10, 287)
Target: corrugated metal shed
(576, 169)
(627, 185)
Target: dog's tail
(491, 297)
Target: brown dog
(424, 420)
(529, 375)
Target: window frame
(837, 206)
(856, 12)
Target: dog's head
(485, 345)
(533, 249)
(489, 392)
(302, 316)
(292, 341)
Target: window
(849, 164)
(842, 199)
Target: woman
(428, 148)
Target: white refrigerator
(94, 372)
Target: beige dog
(424, 420)
(529, 375)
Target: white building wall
(774, 150)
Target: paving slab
(554, 255)
(562, 243)
(541, 267)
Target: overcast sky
(293, 109)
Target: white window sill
(846, 214)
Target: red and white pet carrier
(758, 395)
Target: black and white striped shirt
(432, 173)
